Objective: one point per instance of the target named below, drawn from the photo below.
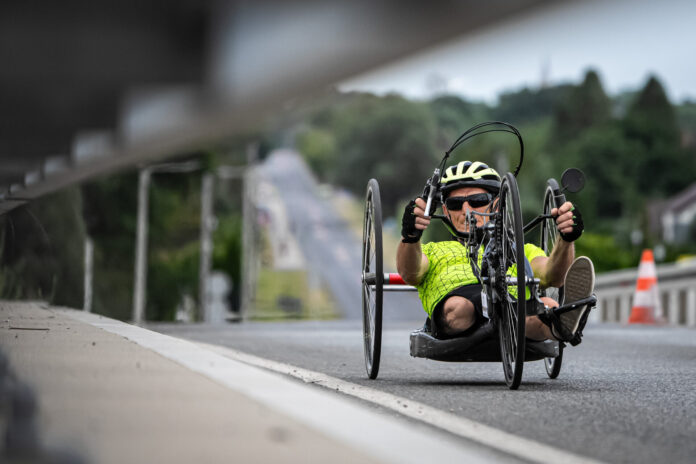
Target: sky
(624, 40)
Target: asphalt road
(626, 394)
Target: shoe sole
(579, 284)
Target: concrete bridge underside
(87, 87)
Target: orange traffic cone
(646, 301)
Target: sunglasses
(476, 200)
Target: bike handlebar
(558, 197)
(433, 184)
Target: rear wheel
(549, 237)
(511, 311)
(372, 279)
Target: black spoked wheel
(549, 236)
(372, 279)
(511, 311)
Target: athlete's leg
(579, 284)
(458, 315)
(537, 330)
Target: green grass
(282, 295)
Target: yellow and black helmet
(469, 174)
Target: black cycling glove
(408, 225)
(578, 227)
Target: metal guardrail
(676, 285)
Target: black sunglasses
(476, 200)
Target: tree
(174, 246)
(392, 141)
(110, 214)
(319, 149)
(607, 159)
(585, 106)
(527, 105)
(651, 122)
(453, 116)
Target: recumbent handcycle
(501, 242)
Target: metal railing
(676, 285)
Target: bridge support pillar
(610, 311)
(140, 274)
(673, 307)
(624, 307)
(691, 307)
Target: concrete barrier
(676, 285)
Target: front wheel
(372, 279)
(549, 237)
(512, 284)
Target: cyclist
(447, 286)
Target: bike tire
(549, 237)
(372, 265)
(511, 313)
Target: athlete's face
(459, 217)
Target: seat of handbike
(483, 345)
(480, 346)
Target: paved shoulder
(114, 392)
(108, 399)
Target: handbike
(497, 257)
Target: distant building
(673, 217)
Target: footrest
(550, 316)
(590, 301)
(480, 346)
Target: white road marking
(383, 436)
(523, 448)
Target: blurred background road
(331, 247)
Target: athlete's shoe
(579, 284)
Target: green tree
(393, 141)
(527, 105)
(606, 158)
(319, 149)
(453, 115)
(586, 105)
(174, 247)
(651, 122)
(110, 210)
(686, 117)
(110, 214)
(227, 254)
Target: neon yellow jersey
(449, 267)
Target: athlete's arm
(551, 271)
(411, 263)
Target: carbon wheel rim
(372, 293)
(512, 315)
(549, 237)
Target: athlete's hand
(568, 221)
(414, 221)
